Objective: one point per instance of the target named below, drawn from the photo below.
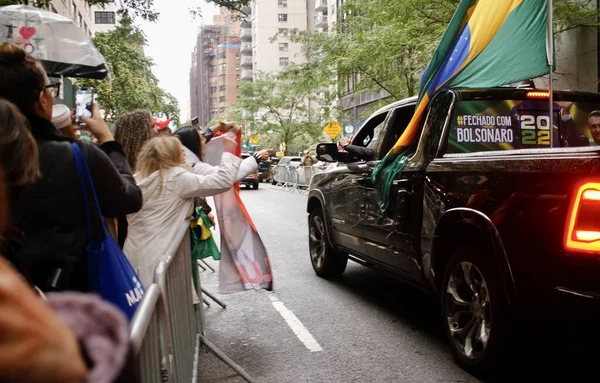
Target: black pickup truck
(495, 212)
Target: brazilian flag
(488, 43)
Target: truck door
(347, 191)
(386, 239)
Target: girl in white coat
(168, 188)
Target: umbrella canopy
(62, 47)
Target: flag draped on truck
(487, 43)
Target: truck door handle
(403, 186)
(401, 183)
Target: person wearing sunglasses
(50, 211)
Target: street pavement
(363, 327)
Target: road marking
(297, 327)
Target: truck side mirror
(327, 152)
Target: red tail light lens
(583, 220)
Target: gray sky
(171, 42)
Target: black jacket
(50, 212)
(361, 153)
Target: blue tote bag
(110, 273)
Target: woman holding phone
(50, 211)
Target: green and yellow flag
(488, 43)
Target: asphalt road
(364, 327)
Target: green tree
(281, 109)
(132, 85)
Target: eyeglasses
(54, 88)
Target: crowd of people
(52, 328)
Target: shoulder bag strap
(86, 183)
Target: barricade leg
(219, 302)
(219, 354)
(205, 264)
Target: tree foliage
(283, 109)
(132, 84)
(385, 45)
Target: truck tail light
(582, 233)
(540, 95)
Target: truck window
(395, 125)
(371, 142)
(369, 132)
(492, 125)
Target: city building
(216, 68)
(106, 18)
(264, 20)
(77, 10)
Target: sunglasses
(54, 88)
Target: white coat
(152, 229)
(247, 166)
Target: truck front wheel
(326, 261)
(474, 311)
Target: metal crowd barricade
(174, 276)
(147, 338)
(297, 178)
(167, 330)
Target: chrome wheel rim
(468, 310)
(317, 241)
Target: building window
(222, 66)
(104, 17)
(237, 67)
(283, 31)
(282, 16)
(212, 68)
(282, 3)
(213, 89)
(237, 55)
(222, 99)
(284, 61)
(283, 47)
(237, 77)
(222, 88)
(223, 55)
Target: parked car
(251, 180)
(280, 173)
(494, 212)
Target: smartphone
(84, 99)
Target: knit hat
(61, 116)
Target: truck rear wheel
(474, 311)
(326, 261)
